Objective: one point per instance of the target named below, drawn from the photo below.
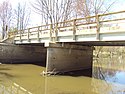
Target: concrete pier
(65, 57)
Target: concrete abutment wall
(66, 57)
(10, 53)
(57, 57)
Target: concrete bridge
(104, 27)
(69, 44)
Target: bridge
(68, 45)
(108, 27)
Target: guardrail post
(28, 34)
(38, 38)
(50, 32)
(98, 27)
(56, 32)
(20, 35)
(74, 29)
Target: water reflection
(103, 82)
(111, 71)
(68, 85)
(120, 77)
(107, 77)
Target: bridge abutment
(10, 53)
(66, 57)
(58, 57)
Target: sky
(35, 18)
(119, 5)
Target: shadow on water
(85, 72)
(2, 71)
(6, 74)
(5, 69)
(43, 64)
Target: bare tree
(22, 16)
(84, 8)
(5, 17)
(53, 11)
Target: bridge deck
(104, 27)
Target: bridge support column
(66, 57)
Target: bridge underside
(101, 43)
(88, 43)
(58, 57)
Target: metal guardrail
(88, 25)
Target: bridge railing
(100, 23)
(112, 21)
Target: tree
(22, 16)
(53, 11)
(84, 8)
(5, 17)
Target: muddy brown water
(107, 77)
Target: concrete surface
(10, 53)
(63, 59)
